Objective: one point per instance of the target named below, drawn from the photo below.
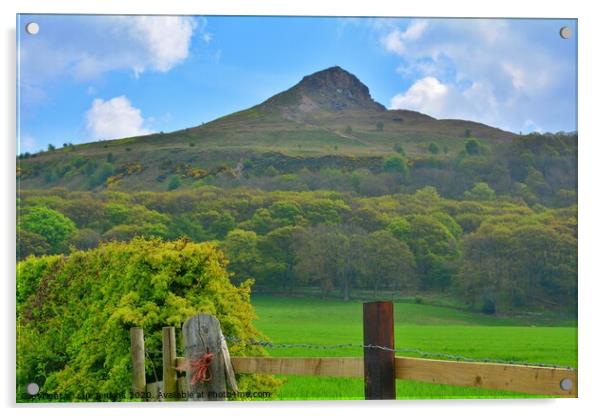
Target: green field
(432, 329)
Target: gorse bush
(74, 312)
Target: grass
(429, 328)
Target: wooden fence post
(170, 379)
(202, 334)
(138, 371)
(379, 364)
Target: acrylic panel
(295, 208)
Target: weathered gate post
(170, 380)
(379, 364)
(203, 336)
(138, 371)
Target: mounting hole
(566, 384)
(32, 389)
(565, 32)
(32, 28)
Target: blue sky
(85, 78)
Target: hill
(327, 121)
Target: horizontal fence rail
(507, 377)
(326, 366)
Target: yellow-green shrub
(74, 312)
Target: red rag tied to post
(199, 367)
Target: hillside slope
(327, 114)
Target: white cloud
(426, 95)
(99, 44)
(446, 100)
(113, 119)
(415, 30)
(496, 71)
(393, 43)
(396, 40)
(164, 40)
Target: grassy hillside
(330, 113)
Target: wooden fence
(379, 367)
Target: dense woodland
(497, 229)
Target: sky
(88, 78)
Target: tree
(90, 167)
(427, 196)
(174, 183)
(367, 218)
(105, 171)
(546, 260)
(222, 225)
(187, 225)
(85, 239)
(261, 222)
(241, 248)
(51, 225)
(385, 261)
(327, 255)
(435, 249)
(433, 148)
(480, 192)
(86, 212)
(380, 126)
(472, 147)
(286, 212)
(51, 147)
(348, 130)
(30, 244)
(395, 164)
(400, 228)
(271, 171)
(325, 210)
(117, 214)
(278, 256)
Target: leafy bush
(174, 183)
(74, 312)
(472, 147)
(433, 148)
(395, 164)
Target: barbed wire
(152, 365)
(417, 351)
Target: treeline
(497, 253)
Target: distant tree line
(497, 253)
